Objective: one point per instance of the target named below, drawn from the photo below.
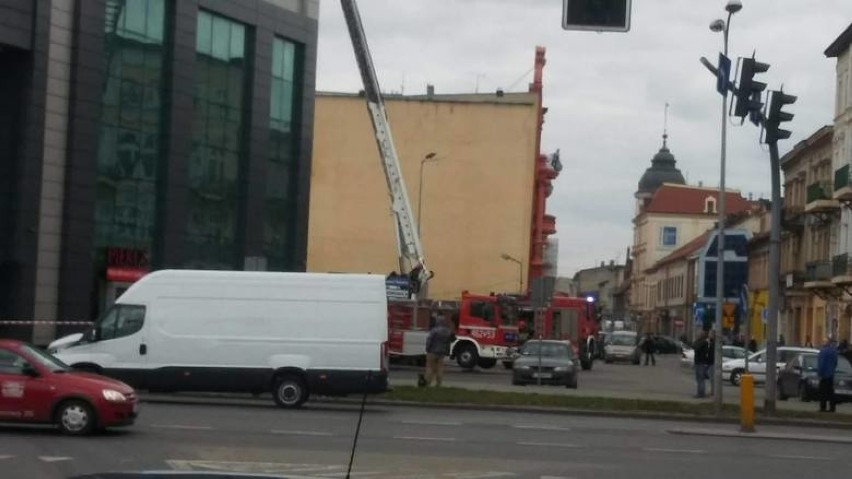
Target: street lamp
(723, 26)
(520, 269)
(429, 157)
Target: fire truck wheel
(466, 356)
(487, 363)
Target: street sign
(596, 15)
(398, 286)
(723, 75)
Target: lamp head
(717, 25)
(734, 6)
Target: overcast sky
(605, 92)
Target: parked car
(687, 356)
(553, 362)
(665, 345)
(799, 378)
(622, 346)
(35, 387)
(733, 370)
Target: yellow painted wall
(477, 197)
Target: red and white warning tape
(27, 323)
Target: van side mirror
(92, 335)
(29, 370)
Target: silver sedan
(548, 361)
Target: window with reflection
(131, 123)
(279, 208)
(218, 142)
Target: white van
(293, 334)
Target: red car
(36, 387)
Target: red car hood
(94, 381)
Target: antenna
(358, 427)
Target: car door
(757, 366)
(789, 377)
(23, 397)
(117, 345)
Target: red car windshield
(44, 359)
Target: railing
(820, 190)
(841, 178)
(840, 265)
(818, 271)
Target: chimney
(499, 92)
(430, 91)
(700, 183)
(603, 263)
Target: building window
(668, 236)
(282, 164)
(710, 205)
(220, 100)
(131, 125)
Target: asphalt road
(668, 381)
(412, 443)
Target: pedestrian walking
(437, 349)
(782, 341)
(752, 345)
(648, 349)
(826, 364)
(808, 342)
(703, 348)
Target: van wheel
(75, 418)
(466, 356)
(290, 391)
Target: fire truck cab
(486, 327)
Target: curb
(757, 435)
(218, 399)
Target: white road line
(53, 458)
(417, 438)
(810, 458)
(433, 423)
(302, 433)
(5, 456)
(547, 444)
(555, 477)
(541, 427)
(181, 426)
(662, 449)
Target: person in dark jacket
(437, 348)
(826, 364)
(704, 355)
(752, 346)
(648, 349)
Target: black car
(799, 378)
(665, 345)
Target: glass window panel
(276, 99)
(135, 13)
(156, 20)
(287, 102)
(204, 36)
(238, 41)
(221, 38)
(278, 57)
(235, 88)
(232, 136)
(289, 60)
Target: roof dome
(662, 170)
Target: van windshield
(622, 340)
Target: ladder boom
(408, 238)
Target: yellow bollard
(747, 403)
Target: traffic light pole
(774, 277)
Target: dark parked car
(666, 345)
(799, 378)
(553, 362)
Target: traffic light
(596, 15)
(775, 116)
(749, 91)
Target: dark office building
(138, 135)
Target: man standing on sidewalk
(826, 364)
(703, 362)
(437, 348)
(648, 349)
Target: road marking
(433, 423)
(810, 458)
(5, 456)
(417, 438)
(302, 433)
(541, 427)
(555, 477)
(182, 427)
(662, 449)
(53, 458)
(548, 444)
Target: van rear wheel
(290, 391)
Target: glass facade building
(149, 134)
